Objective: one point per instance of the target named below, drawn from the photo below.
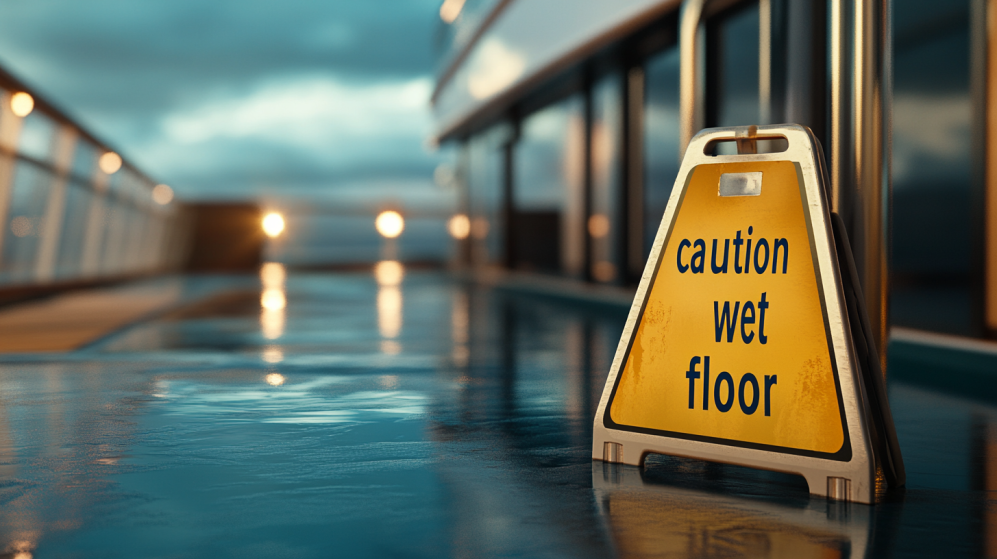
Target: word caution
(726, 316)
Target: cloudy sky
(237, 98)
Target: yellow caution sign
(738, 347)
(735, 320)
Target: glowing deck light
(110, 162)
(22, 549)
(389, 224)
(162, 194)
(273, 299)
(389, 273)
(272, 323)
(273, 355)
(273, 224)
(273, 274)
(389, 311)
(459, 226)
(604, 271)
(275, 379)
(598, 226)
(21, 104)
(450, 10)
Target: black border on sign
(844, 454)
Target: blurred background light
(389, 272)
(450, 10)
(273, 354)
(604, 271)
(459, 226)
(272, 275)
(273, 299)
(110, 162)
(390, 224)
(389, 312)
(162, 194)
(273, 224)
(389, 275)
(275, 379)
(273, 319)
(598, 226)
(21, 104)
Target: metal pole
(985, 28)
(860, 150)
(10, 132)
(691, 80)
(634, 185)
(587, 124)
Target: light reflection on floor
(444, 420)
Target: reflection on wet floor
(650, 517)
(400, 413)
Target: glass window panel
(143, 194)
(733, 67)
(604, 223)
(114, 182)
(32, 185)
(548, 171)
(133, 232)
(84, 159)
(37, 136)
(95, 236)
(131, 185)
(483, 160)
(74, 229)
(110, 261)
(661, 138)
(150, 243)
(932, 162)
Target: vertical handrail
(10, 132)
(691, 80)
(860, 150)
(986, 10)
(634, 184)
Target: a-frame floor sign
(748, 342)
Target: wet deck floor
(422, 420)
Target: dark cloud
(125, 68)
